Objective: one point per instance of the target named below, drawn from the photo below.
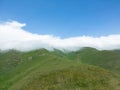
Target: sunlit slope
(72, 77)
(45, 70)
(108, 59)
(15, 65)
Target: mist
(13, 36)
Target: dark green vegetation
(86, 69)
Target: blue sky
(64, 18)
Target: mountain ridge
(19, 69)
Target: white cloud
(13, 36)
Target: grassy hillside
(15, 65)
(106, 59)
(73, 77)
(44, 70)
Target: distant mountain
(86, 69)
(108, 59)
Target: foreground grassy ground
(74, 77)
(86, 69)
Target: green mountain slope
(73, 77)
(106, 59)
(44, 70)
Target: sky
(62, 24)
(64, 18)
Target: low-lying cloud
(13, 36)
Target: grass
(87, 69)
(109, 60)
(70, 78)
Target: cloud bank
(13, 36)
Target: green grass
(109, 60)
(87, 69)
(74, 77)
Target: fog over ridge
(13, 36)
